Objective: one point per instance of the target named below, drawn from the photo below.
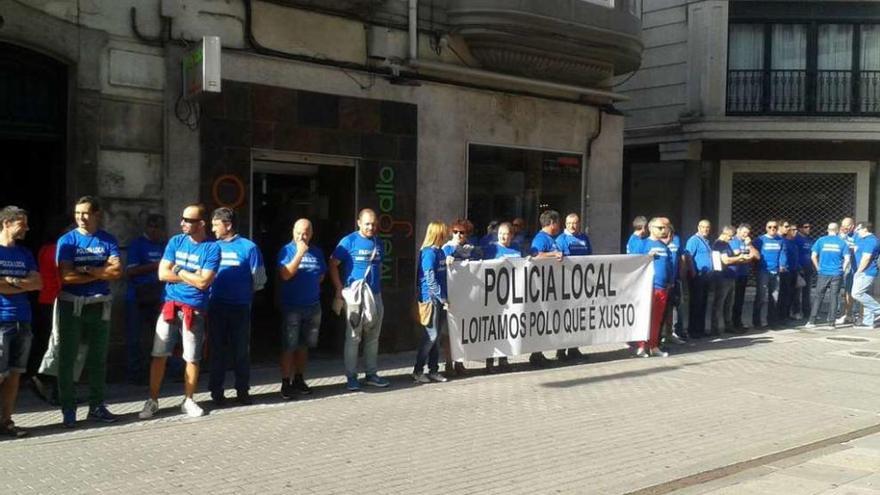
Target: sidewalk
(723, 414)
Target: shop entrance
(288, 186)
(33, 123)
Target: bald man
(301, 268)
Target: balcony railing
(824, 92)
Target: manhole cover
(848, 339)
(866, 354)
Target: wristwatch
(177, 269)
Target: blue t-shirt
(542, 243)
(353, 253)
(17, 262)
(240, 265)
(574, 244)
(635, 244)
(739, 247)
(698, 249)
(192, 256)
(496, 251)
(432, 274)
(86, 250)
(850, 240)
(143, 251)
(867, 245)
(772, 253)
(674, 248)
(729, 271)
(805, 250)
(304, 288)
(662, 261)
(831, 251)
(461, 251)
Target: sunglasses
(190, 220)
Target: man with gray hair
(639, 234)
(831, 259)
(544, 246)
(18, 276)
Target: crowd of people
(195, 291)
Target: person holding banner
(573, 242)
(460, 248)
(432, 303)
(544, 246)
(501, 249)
(655, 247)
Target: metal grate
(818, 198)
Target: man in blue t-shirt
(143, 295)
(358, 257)
(241, 273)
(742, 247)
(802, 303)
(673, 325)
(830, 258)
(848, 234)
(572, 241)
(788, 277)
(659, 251)
(301, 268)
(698, 258)
(88, 259)
(865, 260)
(638, 236)
(771, 262)
(544, 246)
(188, 267)
(725, 281)
(18, 276)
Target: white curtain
(789, 47)
(871, 47)
(835, 47)
(746, 48)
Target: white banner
(516, 306)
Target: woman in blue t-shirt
(432, 296)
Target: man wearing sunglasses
(188, 268)
(772, 261)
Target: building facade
(746, 110)
(424, 110)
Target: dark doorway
(33, 123)
(325, 194)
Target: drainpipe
(413, 29)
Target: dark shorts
(15, 347)
(300, 327)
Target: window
(798, 68)
(506, 183)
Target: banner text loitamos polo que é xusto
(515, 306)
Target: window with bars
(803, 68)
(817, 198)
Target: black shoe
(287, 392)
(490, 366)
(244, 398)
(504, 365)
(538, 360)
(9, 429)
(460, 370)
(560, 355)
(218, 399)
(299, 384)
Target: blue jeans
(861, 292)
(229, 334)
(766, 299)
(370, 336)
(429, 349)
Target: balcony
(801, 92)
(570, 41)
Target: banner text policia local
(518, 305)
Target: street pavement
(780, 412)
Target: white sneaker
(656, 352)
(840, 321)
(191, 409)
(436, 377)
(810, 324)
(421, 378)
(640, 352)
(151, 407)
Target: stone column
(605, 186)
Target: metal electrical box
(201, 68)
